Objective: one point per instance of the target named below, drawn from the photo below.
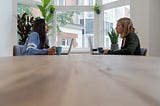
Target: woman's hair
(127, 25)
(39, 27)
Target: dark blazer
(131, 46)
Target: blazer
(131, 46)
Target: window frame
(98, 19)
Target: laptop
(66, 53)
(93, 51)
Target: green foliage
(64, 18)
(113, 36)
(24, 27)
(21, 9)
(96, 8)
(47, 9)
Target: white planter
(114, 46)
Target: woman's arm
(33, 45)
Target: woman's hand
(52, 50)
(106, 51)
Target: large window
(79, 24)
(80, 28)
(110, 19)
(22, 8)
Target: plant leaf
(49, 17)
(43, 10)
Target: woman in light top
(37, 42)
(130, 41)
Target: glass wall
(79, 24)
(110, 19)
(80, 27)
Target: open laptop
(92, 50)
(66, 53)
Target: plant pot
(114, 46)
(98, 11)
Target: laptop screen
(90, 44)
(70, 46)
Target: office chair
(17, 50)
(143, 51)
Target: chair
(143, 51)
(17, 50)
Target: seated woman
(130, 41)
(37, 42)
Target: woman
(130, 41)
(37, 42)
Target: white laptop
(69, 49)
(93, 51)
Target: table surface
(80, 80)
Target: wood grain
(80, 80)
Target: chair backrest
(143, 51)
(17, 50)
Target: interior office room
(81, 78)
(144, 14)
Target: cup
(100, 49)
(58, 50)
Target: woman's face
(119, 29)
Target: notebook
(93, 51)
(69, 49)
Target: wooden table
(80, 80)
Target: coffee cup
(100, 49)
(58, 50)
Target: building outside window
(79, 29)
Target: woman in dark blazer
(130, 41)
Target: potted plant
(47, 9)
(114, 39)
(24, 27)
(96, 8)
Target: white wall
(140, 17)
(7, 35)
(146, 18)
(154, 28)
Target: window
(22, 8)
(79, 24)
(89, 26)
(65, 42)
(110, 19)
(74, 2)
(79, 28)
(30, 10)
(108, 1)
